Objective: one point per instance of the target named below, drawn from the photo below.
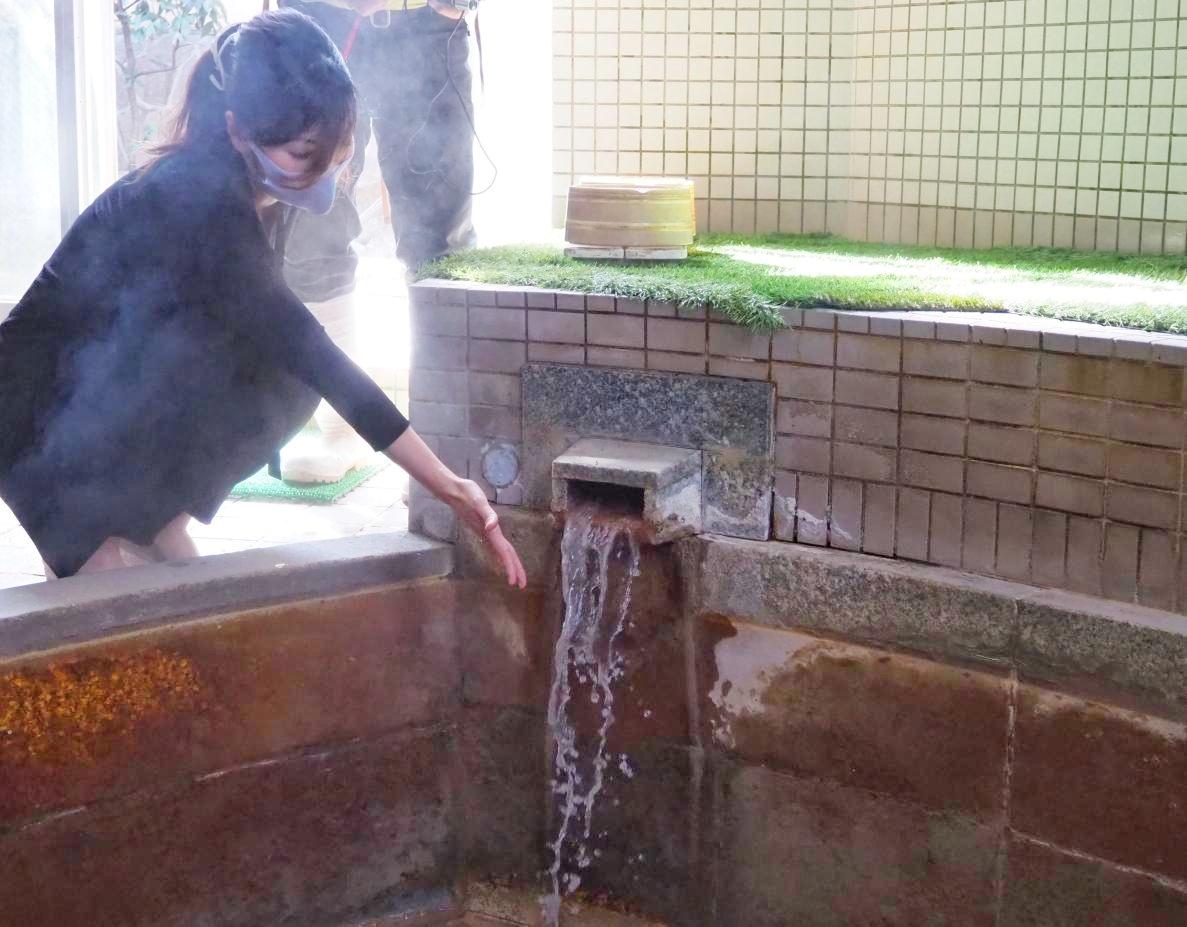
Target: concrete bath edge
(44, 616)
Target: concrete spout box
(729, 421)
(669, 477)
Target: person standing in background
(410, 62)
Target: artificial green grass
(706, 279)
(1037, 260)
(262, 486)
(1106, 288)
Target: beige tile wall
(970, 123)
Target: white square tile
(675, 163)
(606, 139)
(607, 162)
(584, 44)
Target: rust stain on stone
(602, 909)
(1128, 769)
(66, 712)
(922, 731)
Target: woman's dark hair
(280, 75)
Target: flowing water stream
(599, 561)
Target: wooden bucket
(631, 212)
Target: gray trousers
(413, 76)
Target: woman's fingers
(512, 565)
(521, 574)
(482, 518)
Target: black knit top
(158, 359)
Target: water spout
(662, 484)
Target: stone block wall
(235, 766)
(820, 737)
(312, 761)
(865, 782)
(1044, 452)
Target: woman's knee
(174, 541)
(109, 556)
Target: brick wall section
(1046, 457)
(1012, 447)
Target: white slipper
(315, 460)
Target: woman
(158, 358)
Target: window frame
(84, 68)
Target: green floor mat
(262, 486)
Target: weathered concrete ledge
(49, 615)
(1123, 651)
(1127, 650)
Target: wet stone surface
(1137, 650)
(737, 494)
(649, 835)
(322, 838)
(490, 904)
(1129, 771)
(651, 698)
(798, 851)
(504, 804)
(917, 731)
(506, 644)
(197, 697)
(1045, 886)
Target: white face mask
(317, 198)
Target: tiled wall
(971, 123)
(1048, 458)
(1042, 452)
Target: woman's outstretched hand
(472, 509)
(465, 497)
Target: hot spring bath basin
(353, 733)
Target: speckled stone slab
(731, 420)
(625, 463)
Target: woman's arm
(463, 496)
(232, 275)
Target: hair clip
(219, 77)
